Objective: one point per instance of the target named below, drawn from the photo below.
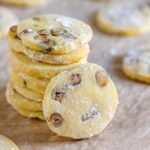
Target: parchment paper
(129, 130)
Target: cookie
(54, 33)
(64, 59)
(23, 3)
(27, 93)
(7, 144)
(136, 65)
(80, 103)
(20, 110)
(7, 20)
(14, 98)
(21, 63)
(31, 83)
(124, 19)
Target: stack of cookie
(40, 48)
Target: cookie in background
(124, 18)
(136, 64)
(23, 3)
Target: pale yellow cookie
(31, 83)
(124, 19)
(23, 3)
(80, 103)
(21, 63)
(7, 19)
(54, 33)
(21, 111)
(27, 93)
(46, 57)
(136, 65)
(7, 144)
(14, 98)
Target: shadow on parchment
(23, 130)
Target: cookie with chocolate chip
(26, 92)
(124, 18)
(54, 34)
(136, 65)
(30, 83)
(21, 63)
(14, 98)
(81, 102)
(45, 56)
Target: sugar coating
(126, 15)
(138, 60)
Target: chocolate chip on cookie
(101, 78)
(25, 31)
(75, 79)
(56, 119)
(58, 94)
(13, 28)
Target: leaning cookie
(21, 63)
(23, 3)
(7, 20)
(7, 144)
(124, 19)
(54, 33)
(22, 111)
(80, 103)
(46, 57)
(136, 65)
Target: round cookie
(80, 103)
(7, 144)
(31, 83)
(46, 57)
(23, 3)
(7, 19)
(21, 63)
(54, 33)
(124, 19)
(27, 93)
(14, 98)
(136, 65)
(21, 111)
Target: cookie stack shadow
(31, 70)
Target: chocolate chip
(62, 32)
(56, 119)
(101, 78)
(24, 83)
(25, 31)
(13, 28)
(58, 94)
(43, 32)
(14, 90)
(75, 79)
(36, 18)
(67, 34)
(56, 32)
